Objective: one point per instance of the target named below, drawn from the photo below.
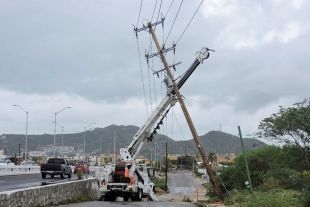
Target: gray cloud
(85, 54)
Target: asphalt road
(18, 182)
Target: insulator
(161, 122)
(155, 132)
(157, 127)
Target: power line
(174, 22)
(190, 21)
(169, 8)
(147, 113)
(139, 13)
(154, 10)
(182, 133)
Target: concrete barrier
(18, 170)
(50, 194)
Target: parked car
(81, 166)
(28, 163)
(6, 162)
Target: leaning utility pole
(188, 118)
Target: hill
(213, 141)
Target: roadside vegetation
(160, 183)
(280, 175)
(80, 174)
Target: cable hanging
(189, 22)
(147, 113)
(173, 22)
(182, 133)
(139, 12)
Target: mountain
(213, 141)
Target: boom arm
(129, 154)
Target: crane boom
(143, 134)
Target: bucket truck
(127, 179)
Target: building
(223, 158)
(3, 154)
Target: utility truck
(128, 179)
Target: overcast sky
(84, 54)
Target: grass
(160, 182)
(271, 198)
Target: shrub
(271, 198)
(79, 174)
(306, 192)
(160, 182)
(187, 199)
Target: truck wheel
(139, 197)
(126, 198)
(62, 175)
(69, 175)
(52, 176)
(43, 175)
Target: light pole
(100, 150)
(55, 127)
(26, 130)
(62, 142)
(84, 136)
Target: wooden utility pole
(187, 116)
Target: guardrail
(18, 170)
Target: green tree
(281, 163)
(290, 126)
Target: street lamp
(84, 136)
(55, 126)
(62, 135)
(26, 130)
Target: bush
(271, 198)
(306, 192)
(187, 199)
(160, 182)
(80, 174)
(284, 164)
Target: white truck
(127, 179)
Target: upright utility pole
(245, 161)
(114, 146)
(187, 116)
(19, 154)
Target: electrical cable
(169, 8)
(147, 113)
(148, 73)
(182, 132)
(173, 22)
(154, 11)
(189, 22)
(139, 13)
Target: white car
(6, 162)
(28, 163)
